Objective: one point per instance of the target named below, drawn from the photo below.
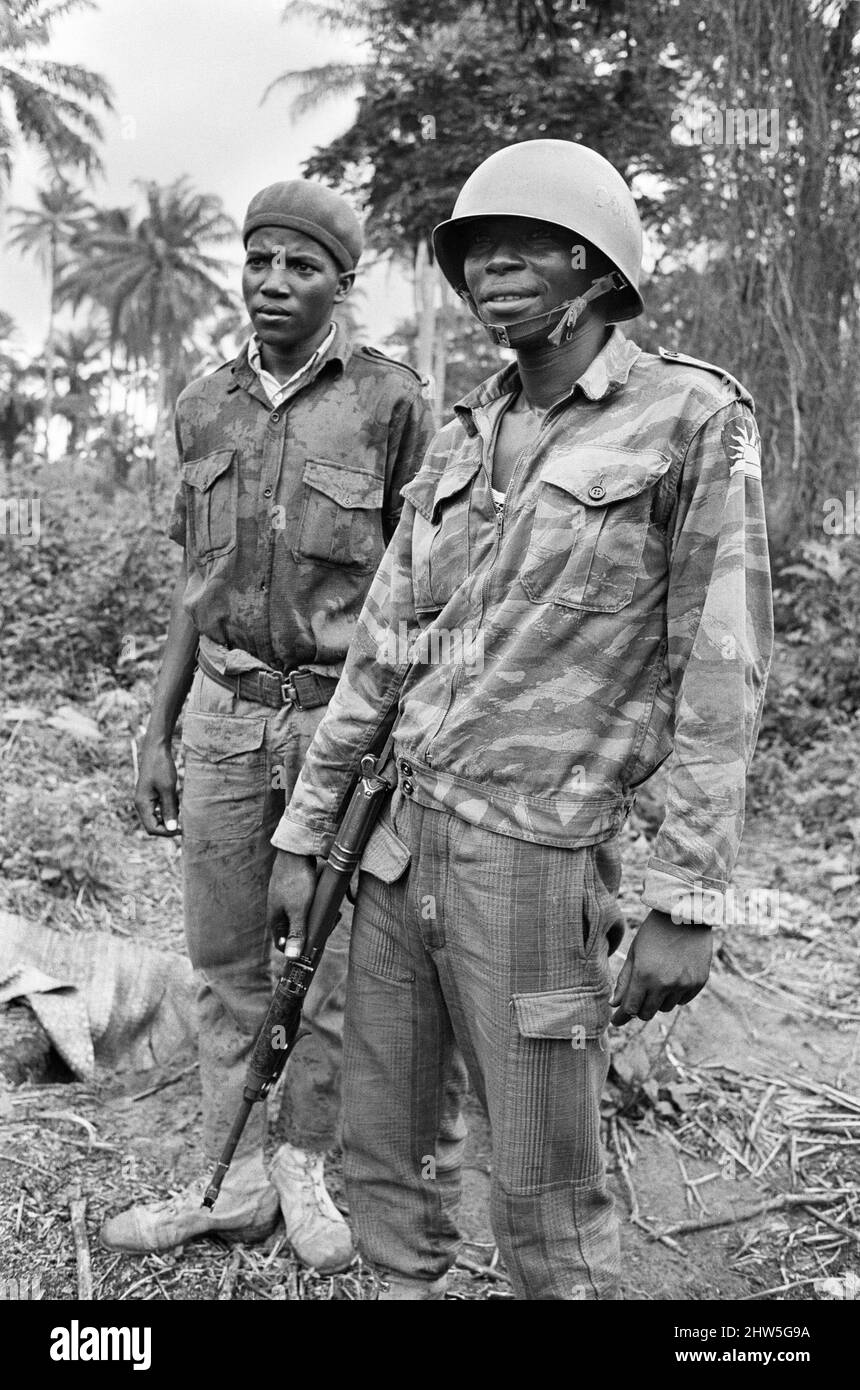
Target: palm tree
(329, 79)
(78, 353)
(156, 281)
(18, 409)
(47, 232)
(8, 330)
(42, 102)
(315, 86)
(107, 221)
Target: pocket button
(597, 493)
(407, 787)
(405, 768)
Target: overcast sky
(188, 76)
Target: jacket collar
(607, 372)
(338, 353)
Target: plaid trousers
(492, 951)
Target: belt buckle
(288, 691)
(291, 685)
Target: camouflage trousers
(241, 763)
(493, 950)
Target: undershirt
(488, 428)
(280, 391)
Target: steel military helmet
(560, 182)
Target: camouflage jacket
(285, 512)
(547, 663)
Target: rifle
(277, 1037)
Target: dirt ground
(736, 1119)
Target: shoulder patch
(743, 447)
(726, 378)
(375, 355)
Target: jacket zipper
(524, 458)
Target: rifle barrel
(227, 1153)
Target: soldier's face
(290, 285)
(516, 268)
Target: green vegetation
(754, 262)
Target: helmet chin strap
(561, 320)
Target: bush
(815, 683)
(101, 571)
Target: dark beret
(310, 208)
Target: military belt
(302, 688)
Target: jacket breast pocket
(590, 523)
(212, 492)
(341, 518)
(441, 542)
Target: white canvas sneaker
(247, 1210)
(315, 1228)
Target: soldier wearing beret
(292, 457)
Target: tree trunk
(159, 467)
(111, 379)
(49, 349)
(425, 285)
(440, 355)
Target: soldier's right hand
(155, 797)
(291, 891)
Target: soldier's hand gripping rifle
(277, 1037)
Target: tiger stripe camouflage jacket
(546, 662)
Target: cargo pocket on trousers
(577, 1015)
(557, 1062)
(225, 790)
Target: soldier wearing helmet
(521, 188)
(591, 525)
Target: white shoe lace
(168, 1206)
(299, 1171)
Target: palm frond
(80, 81)
(48, 102)
(318, 85)
(344, 16)
(156, 277)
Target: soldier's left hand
(291, 892)
(667, 965)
